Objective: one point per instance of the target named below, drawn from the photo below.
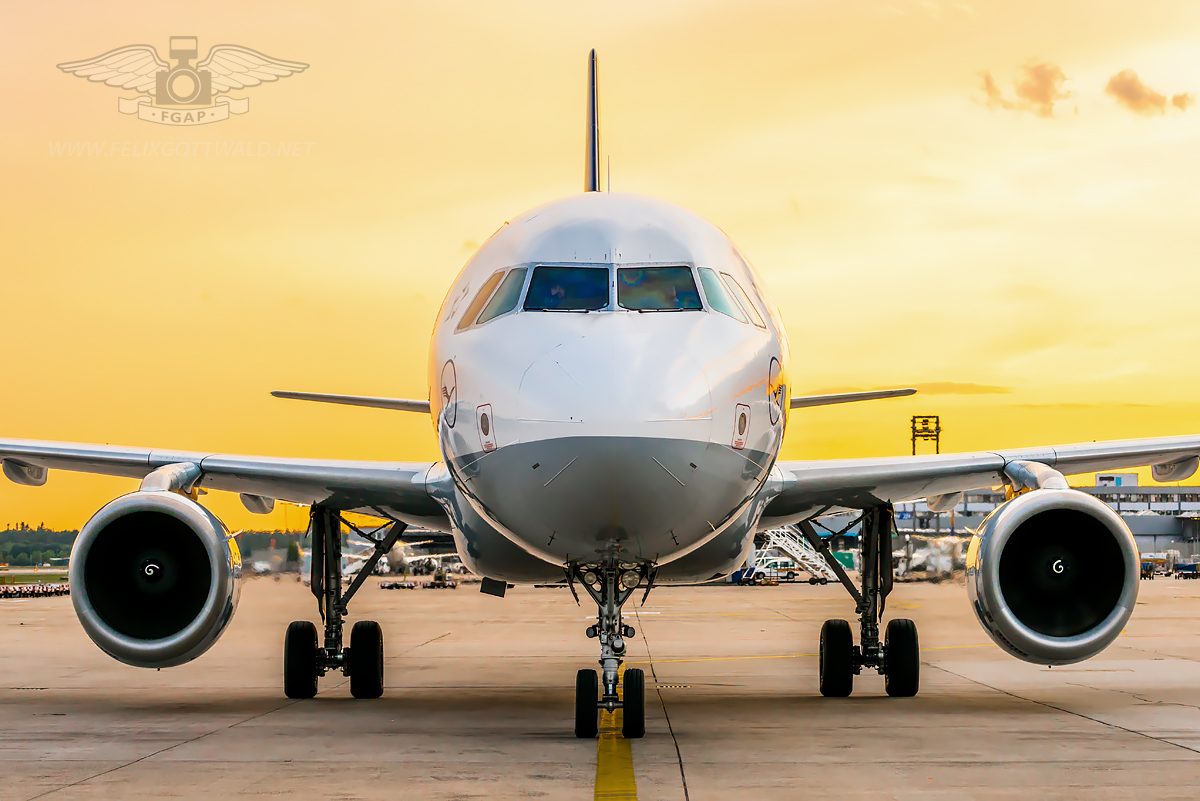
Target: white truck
(776, 568)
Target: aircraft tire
(366, 659)
(902, 661)
(587, 696)
(300, 660)
(633, 704)
(836, 659)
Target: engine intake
(1053, 576)
(154, 578)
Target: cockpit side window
(741, 295)
(506, 297)
(481, 297)
(657, 289)
(718, 297)
(576, 289)
(756, 289)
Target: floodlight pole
(927, 426)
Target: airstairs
(788, 540)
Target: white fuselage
(576, 434)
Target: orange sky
(971, 196)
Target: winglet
(591, 168)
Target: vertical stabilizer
(591, 172)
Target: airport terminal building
(1161, 518)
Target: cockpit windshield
(577, 289)
(657, 289)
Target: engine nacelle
(154, 578)
(1053, 576)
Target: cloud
(1130, 92)
(1042, 87)
(1082, 406)
(1039, 88)
(960, 388)
(927, 388)
(995, 98)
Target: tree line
(22, 546)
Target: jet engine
(1053, 576)
(154, 578)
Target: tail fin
(591, 171)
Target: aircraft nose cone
(615, 433)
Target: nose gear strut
(610, 585)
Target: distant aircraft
(610, 386)
(399, 559)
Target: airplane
(400, 559)
(610, 387)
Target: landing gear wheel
(300, 660)
(836, 659)
(587, 695)
(633, 704)
(902, 664)
(366, 660)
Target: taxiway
(478, 704)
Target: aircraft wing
(383, 489)
(801, 490)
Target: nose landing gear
(897, 657)
(610, 585)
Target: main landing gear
(304, 660)
(610, 584)
(897, 657)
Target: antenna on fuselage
(591, 169)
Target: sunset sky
(995, 202)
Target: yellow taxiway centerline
(614, 757)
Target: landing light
(630, 580)
(591, 579)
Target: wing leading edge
(388, 489)
(802, 490)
